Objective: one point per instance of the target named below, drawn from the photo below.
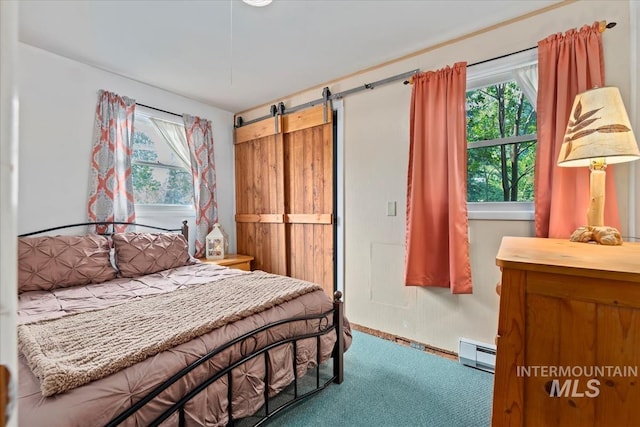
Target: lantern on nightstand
(216, 243)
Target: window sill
(164, 210)
(497, 211)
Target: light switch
(391, 208)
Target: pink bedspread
(98, 402)
(41, 305)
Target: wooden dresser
(568, 334)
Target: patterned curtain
(437, 244)
(111, 185)
(203, 169)
(568, 64)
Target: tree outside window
(501, 134)
(158, 176)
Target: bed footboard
(245, 341)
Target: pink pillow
(50, 262)
(138, 254)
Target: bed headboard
(184, 229)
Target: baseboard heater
(477, 354)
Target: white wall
(375, 156)
(58, 98)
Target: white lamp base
(596, 231)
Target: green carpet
(387, 384)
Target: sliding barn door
(285, 195)
(308, 150)
(259, 168)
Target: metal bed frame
(337, 356)
(184, 229)
(324, 327)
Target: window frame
(163, 210)
(486, 74)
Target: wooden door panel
(618, 335)
(508, 401)
(258, 176)
(311, 254)
(308, 154)
(260, 202)
(309, 171)
(257, 130)
(304, 119)
(314, 218)
(542, 314)
(266, 243)
(577, 336)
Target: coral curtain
(568, 64)
(437, 245)
(111, 183)
(200, 142)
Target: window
(501, 137)
(160, 161)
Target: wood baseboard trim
(407, 342)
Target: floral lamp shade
(598, 133)
(598, 127)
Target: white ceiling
(234, 56)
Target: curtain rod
(326, 96)
(603, 26)
(158, 109)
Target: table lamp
(598, 133)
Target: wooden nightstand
(241, 262)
